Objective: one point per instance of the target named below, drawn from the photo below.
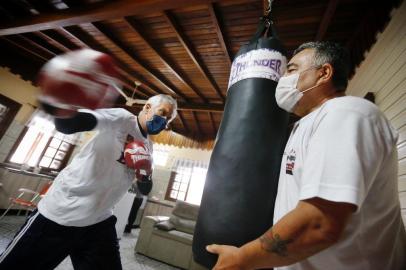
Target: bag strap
(265, 25)
(262, 27)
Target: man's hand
(229, 257)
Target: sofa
(169, 239)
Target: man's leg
(97, 247)
(39, 244)
(133, 214)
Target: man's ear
(147, 107)
(326, 73)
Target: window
(187, 182)
(55, 153)
(41, 145)
(160, 157)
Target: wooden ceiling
(179, 47)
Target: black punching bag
(241, 184)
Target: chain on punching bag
(241, 185)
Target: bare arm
(314, 225)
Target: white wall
(383, 72)
(23, 92)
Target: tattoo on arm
(273, 243)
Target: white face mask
(287, 95)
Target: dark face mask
(156, 125)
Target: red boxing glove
(79, 79)
(137, 156)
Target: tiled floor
(130, 261)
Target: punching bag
(241, 184)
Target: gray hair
(157, 100)
(333, 54)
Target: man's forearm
(294, 238)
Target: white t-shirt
(86, 191)
(345, 151)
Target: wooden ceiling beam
(126, 73)
(130, 23)
(214, 18)
(30, 46)
(108, 35)
(184, 124)
(128, 83)
(122, 68)
(51, 41)
(196, 121)
(24, 48)
(326, 19)
(200, 107)
(97, 12)
(36, 45)
(172, 23)
(79, 42)
(128, 88)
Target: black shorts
(43, 244)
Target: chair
(169, 239)
(28, 205)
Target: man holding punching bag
(75, 216)
(337, 205)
